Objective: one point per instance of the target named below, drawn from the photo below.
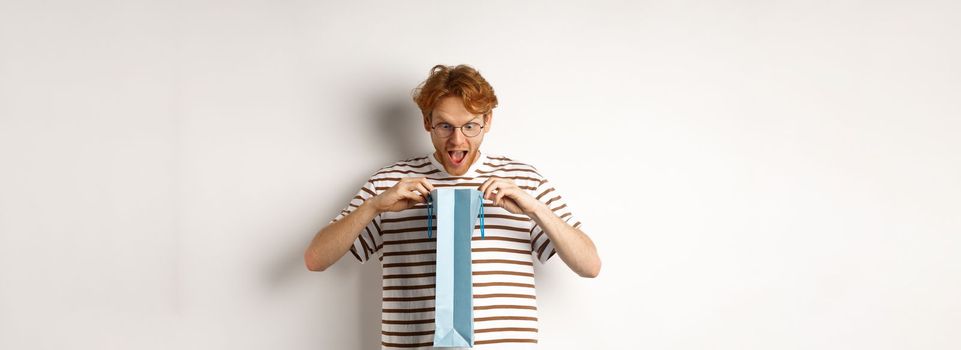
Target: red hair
(462, 81)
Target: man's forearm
(334, 240)
(572, 245)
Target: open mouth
(456, 157)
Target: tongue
(458, 156)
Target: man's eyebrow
(439, 119)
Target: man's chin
(456, 168)
(450, 165)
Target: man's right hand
(404, 195)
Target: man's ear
(488, 118)
(427, 122)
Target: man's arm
(575, 248)
(335, 239)
(572, 245)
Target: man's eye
(471, 126)
(445, 126)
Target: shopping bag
(457, 211)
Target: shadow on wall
(401, 127)
(398, 125)
(399, 121)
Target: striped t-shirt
(505, 307)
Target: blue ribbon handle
(481, 213)
(430, 213)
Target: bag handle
(481, 196)
(430, 214)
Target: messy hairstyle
(462, 81)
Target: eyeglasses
(446, 130)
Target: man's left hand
(509, 196)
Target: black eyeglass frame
(453, 128)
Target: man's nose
(457, 137)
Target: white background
(756, 174)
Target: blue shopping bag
(457, 210)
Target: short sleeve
(541, 245)
(369, 240)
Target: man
(524, 217)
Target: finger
(423, 190)
(500, 195)
(409, 189)
(410, 180)
(491, 187)
(412, 186)
(486, 187)
(415, 197)
(483, 187)
(494, 186)
(402, 186)
(413, 191)
(426, 184)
